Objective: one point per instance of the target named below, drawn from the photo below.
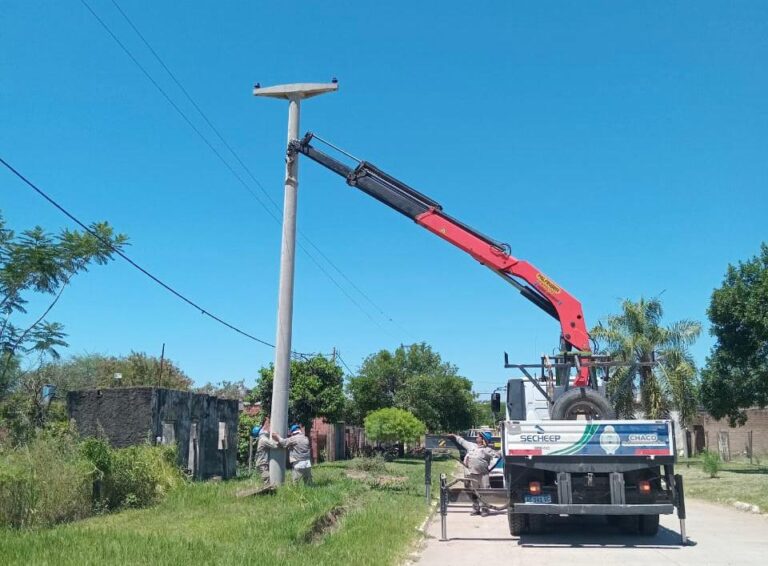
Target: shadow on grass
(339, 464)
(409, 461)
(761, 471)
(243, 478)
(322, 482)
(406, 461)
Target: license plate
(538, 498)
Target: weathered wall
(123, 415)
(183, 409)
(132, 415)
(335, 441)
(757, 422)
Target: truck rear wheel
(582, 402)
(649, 525)
(535, 524)
(516, 523)
(629, 524)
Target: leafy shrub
(374, 465)
(51, 479)
(45, 482)
(711, 463)
(244, 426)
(393, 425)
(141, 475)
(98, 453)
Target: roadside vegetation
(36, 267)
(58, 478)
(416, 379)
(736, 374)
(636, 336)
(348, 517)
(734, 481)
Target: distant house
(202, 427)
(251, 409)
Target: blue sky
(619, 146)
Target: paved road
(721, 536)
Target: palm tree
(637, 335)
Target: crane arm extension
(540, 289)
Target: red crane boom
(537, 287)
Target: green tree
(443, 402)
(316, 390)
(393, 425)
(383, 375)
(139, 368)
(97, 370)
(225, 389)
(736, 372)
(38, 263)
(634, 335)
(24, 407)
(482, 414)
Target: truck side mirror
(495, 403)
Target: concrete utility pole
(294, 93)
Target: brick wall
(337, 441)
(706, 430)
(318, 437)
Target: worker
(299, 454)
(477, 463)
(263, 445)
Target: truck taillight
(534, 488)
(644, 487)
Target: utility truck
(563, 450)
(564, 456)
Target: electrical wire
(338, 354)
(194, 104)
(238, 159)
(118, 252)
(178, 110)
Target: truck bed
(620, 438)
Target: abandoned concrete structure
(202, 427)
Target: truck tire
(582, 400)
(535, 524)
(629, 524)
(649, 525)
(516, 523)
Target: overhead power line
(215, 130)
(154, 278)
(240, 161)
(178, 110)
(338, 354)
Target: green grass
(205, 523)
(736, 481)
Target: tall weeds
(57, 478)
(44, 482)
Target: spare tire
(582, 401)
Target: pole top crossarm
(295, 90)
